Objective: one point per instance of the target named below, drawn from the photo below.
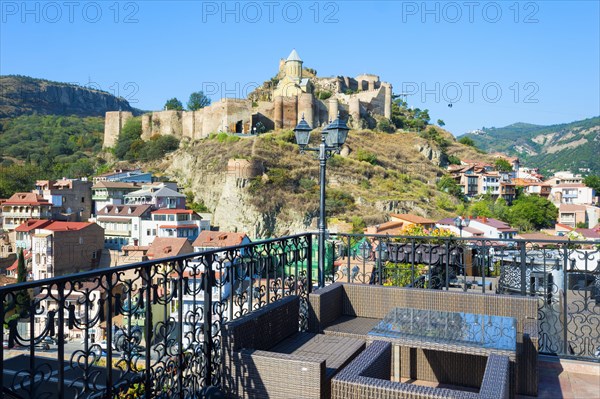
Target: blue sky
(496, 62)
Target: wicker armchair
(352, 310)
(368, 377)
(266, 356)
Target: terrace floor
(558, 379)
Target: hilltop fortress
(277, 104)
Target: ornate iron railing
(152, 329)
(564, 276)
(146, 330)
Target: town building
(61, 248)
(71, 198)
(106, 193)
(573, 215)
(532, 186)
(480, 227)
(122, 224)
(158, 196)
(572, 193)
(124, 176)
(21, 207)
(181, 223)
(219, 239)
(166, 247)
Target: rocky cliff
(264, 187)
(22, 95)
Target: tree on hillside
(441, 123)
(198, 100)
(467, 141)
(502, 165)
(130, 134)
(532, 212)
(450, 186)
(17, 178)
(593, 181)
(174, 105)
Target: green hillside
(571, 146)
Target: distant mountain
(571, 146)
(23, 95)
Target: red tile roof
(165, 247)
(26, 199)
(588, 233)
(66, 226)
(32, 224)
(213, 239)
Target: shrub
(366, 156)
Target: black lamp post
(461, 223)
(333, 138)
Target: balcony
(175, 350)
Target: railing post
(309, 252)
(523, 254)
(447, 265)
(147, 279)
(565, 303)
(208, 344)
(180, 288)
(348, 258)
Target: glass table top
(492, 332)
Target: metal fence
(149, 329)
(152, 329)
(564, 276)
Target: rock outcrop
(21, 95)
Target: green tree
(198, 100)
(441, 123)
(467, 141)
(532, 212)
(22, 296)
(450, 186)
(502, 165)
(174, 104)
(593, 181)
(18, 178)
(131, 132)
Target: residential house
(159, 196)
(23, 234)
(166, 247)
(71, 198)
(533, 187)
(480, 227)
(122, 224)
(106, 193)
(61, 248)
(572, 193)
(587, 234)
(218, 239)
(410, 220)
(564, 178)
(182, 223)
(124, 175)
(392, 228)
(571, 215)
(21, 207)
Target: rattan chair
(265, 356)
(368, 377)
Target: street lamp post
(333, 138)
(461, 223)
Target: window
(148, 232)
(82, 200)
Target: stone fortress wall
(362, 100)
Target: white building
(480, 227)
(176, 223)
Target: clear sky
(496, 62)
